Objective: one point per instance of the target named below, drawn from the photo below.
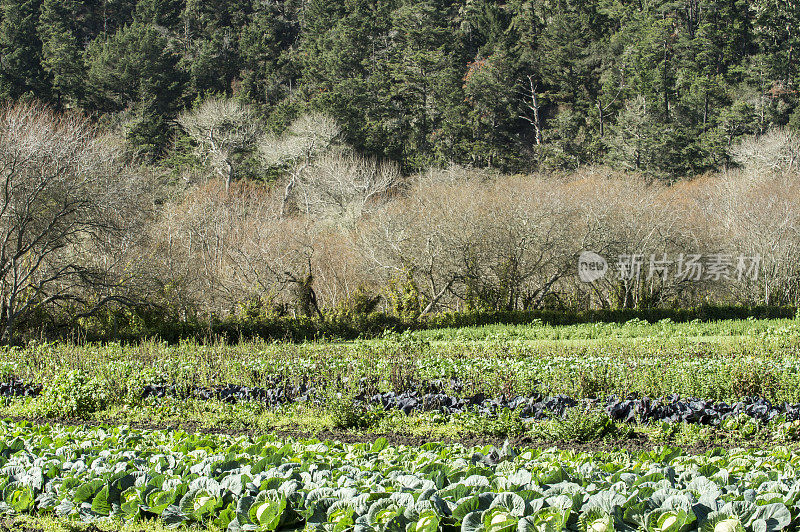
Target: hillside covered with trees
(169, 166)
(663, 87)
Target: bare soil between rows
(636, 444)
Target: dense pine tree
(664, 87)
(62, 55)
(21, 72)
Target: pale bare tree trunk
(534, 107)
(430, 306)
(228, 176)
(287, 193)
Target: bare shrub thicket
(513, 242)
(80, 228)
(639, 226)
(759, 216)
(471, 239)
(222, 251)
(497, 244)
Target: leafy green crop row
(268, 484)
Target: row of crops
(263, 483)
(744, 390)
(632, 383)
(431, 397)
(654, 367)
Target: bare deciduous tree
(344, 185)
(777, 150)
(225, 130)
(307, 137)
(65, 199)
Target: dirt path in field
(637, 444)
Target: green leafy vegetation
(724, 360)
(738, 474)
(265, 483)
(74, 394)
(321, 386)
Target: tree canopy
(663, 87)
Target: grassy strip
(28, 523)
(348, 325)
(713, 331)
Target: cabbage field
(265, 483)
(637, 426)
